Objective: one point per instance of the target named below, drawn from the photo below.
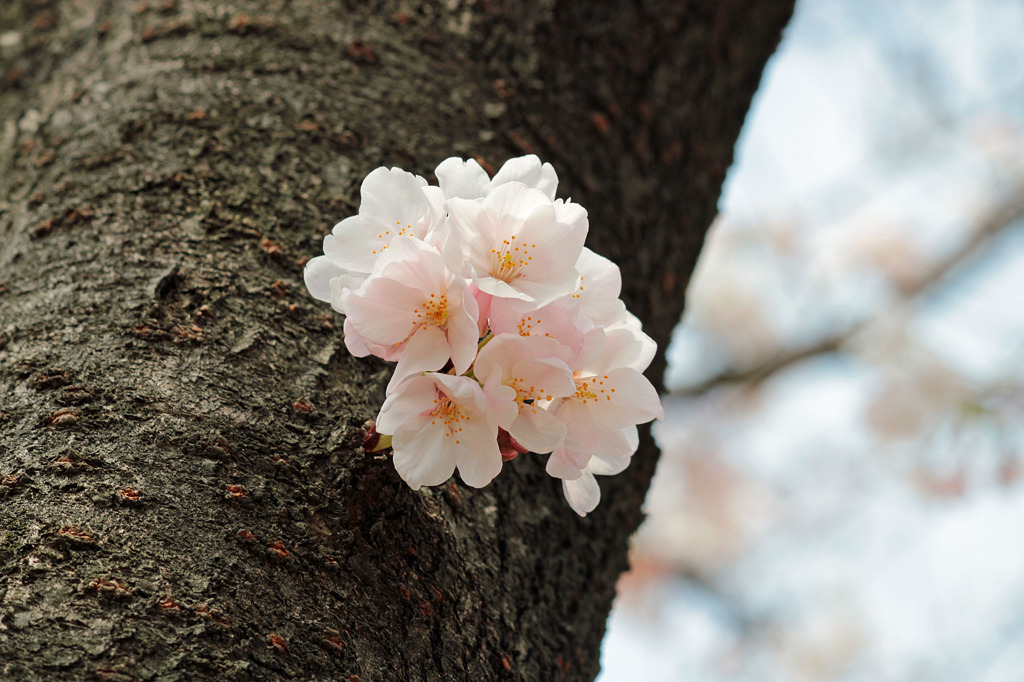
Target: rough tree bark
(183, 494)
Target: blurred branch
(1002, 217)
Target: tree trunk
(183, 491)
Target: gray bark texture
(183, 490)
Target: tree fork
(183, 489)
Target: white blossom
(509, 334)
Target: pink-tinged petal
(462, 179)
(634, 397)
(626, 346)
(438, 216)
(413, 263)
(488, 364)
(426, 351)
(318, 274)
(410, 400)
(469, 395)
(463, 245)
(483, 302)
(550, 377)
(499, 289)
(467, 255)
(517, 349)
(456, 426)
(562, 320)
(543, 292)
(478, 456)
(506, 351)
(501, 401)
(583, 494)
(608, 466)
(462, 340)
(554, 248)
(632, 437)
(592, 431)
(360, 347)
(590, 349)
(599, 287)
(422, 456)
(565, 464)
(382, 310)
(529, 171)
(537, 429)
(512, 244)
(355, 343)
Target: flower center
(526, 392)
(508, 261)
(526, 325)
(433, 311)
(591, 389)
(450, 414)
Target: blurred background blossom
(841, 490)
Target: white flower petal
(478, 456)
(634, 397)
(438, 216)
(549, 377)
(499, 289)
(501, 401)
(508, 205)
(463, 336)
(421, 456)
(426, 351)
(411, 399)
(583, 493)
(340, 286)
(392, 197)
(593, 431)
(599, 288)
(462, 179)
(463, 244)
(352, 246)
(512, 356)
(554, 248)
(562, 320)
(570, 213)
(632, 437)
(317, 276)
(483, 302)
(355, 343)
(626, 346)
(537, 430)
(529, 171)
(381, 310)
(512, 241)
(565, 464)
(608, 466)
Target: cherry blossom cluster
(508, 333)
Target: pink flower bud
(509, 446)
